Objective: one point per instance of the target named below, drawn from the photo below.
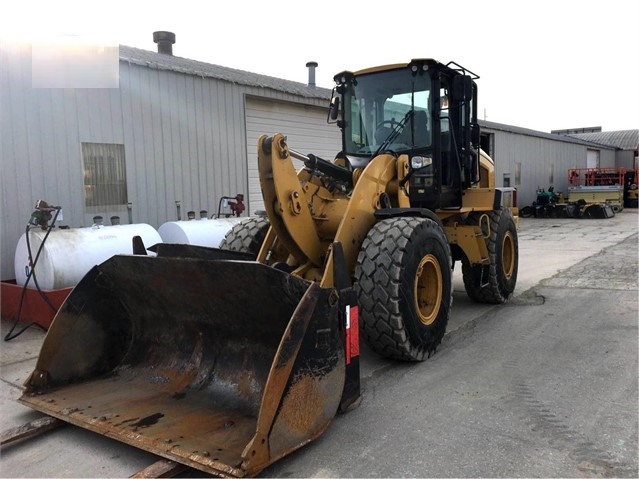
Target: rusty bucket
(222, 365)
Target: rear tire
(527, 212)
(247, 235)
(404, 286)
(494, 283)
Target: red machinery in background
(617, 186)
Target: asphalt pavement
(417, 421)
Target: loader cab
(423, 109)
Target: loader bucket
(224, 366)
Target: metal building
(626, 143)
(529, 159)
(175, 131)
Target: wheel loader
(228, 359)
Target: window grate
(104, 174)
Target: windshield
(387, 111)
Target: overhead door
(304, 126)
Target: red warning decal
(352, 333)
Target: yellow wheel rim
(508, 255)
(428, 289)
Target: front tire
(494, 283)
(247, 235)
(404, 285)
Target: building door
(304, 126)
(592, 159)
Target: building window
(551, 175)
(518, 174)
(104, 175)
(506, 179)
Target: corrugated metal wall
(184, 139)
(626, 159)
(544, 162)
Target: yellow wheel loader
(228, 359)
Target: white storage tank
(203, 232)
(68, 254)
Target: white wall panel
(304, 126)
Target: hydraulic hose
(10, 335)
(316, 163)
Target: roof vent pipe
(165, 41)
(311, 73)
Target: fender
(418, 212)
(359, 217)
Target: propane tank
(201, 232)
(68, 254)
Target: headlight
(417, 162)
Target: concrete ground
(546, 247)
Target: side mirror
(462, 88)
(333, 109)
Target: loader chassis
(228, 359)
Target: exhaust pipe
(311, 73)
(165, 41)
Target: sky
(543, 65)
